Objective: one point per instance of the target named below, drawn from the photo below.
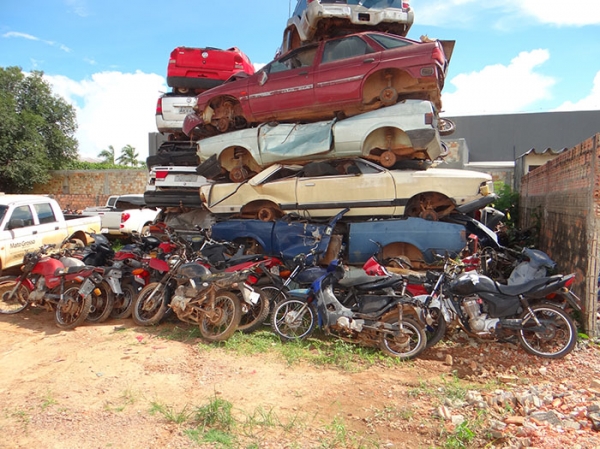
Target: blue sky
(108, 58)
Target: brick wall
(563, 197)
(78, 189)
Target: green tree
(36, 130)
(128, 156)
(108, 156)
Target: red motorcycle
(48, 283)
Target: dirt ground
(115, 385)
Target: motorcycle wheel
(102, 304)
(222, 321)
(437, 329)
(293, 319)
(150, 305)
(72, 310)
(559, 335)
(122, 306)
(254, 315)
(411, 342)
(18, 302)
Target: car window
(3, 210)
(283, 173)
(374, 4)
(389, 42)
(301, 58)
(301, 6)
(366, 168)
(45, 213)
(345, 48)
(21, 213)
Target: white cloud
(461, 12)
(113, 108)
(500, 88)
(35, 38)
(591, 102)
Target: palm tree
(128, 156)
(108, 156)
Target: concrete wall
(78, 189)
(563, 198)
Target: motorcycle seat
(364, 281)
(527, 287)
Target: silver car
(406, 131)
(317, 19)
(171, 109)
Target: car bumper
(173, 198)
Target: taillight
(570, 282)
(125, 216)
(161, 174)
(438, 55)
(429, 118)
(405, 5)
(238, 63)
(159, 106)
(252, 279)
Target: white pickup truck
(30, 221)
(129, 214)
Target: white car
(320, 19)
(322, 189)
(172, 186)
(406, 131)
(171, 109)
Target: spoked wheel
(123, 305)
(404, 340)
(150, 305)
(12, 299)
(72, 310)
(274, 295)
(102, 303)
(293, 319)
(554, 339)
(254, 315)
(222, 320)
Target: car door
(366, 189)
(22, 233)
(285, 84)
(343, 66)
(50, 230)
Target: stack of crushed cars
(346, 115)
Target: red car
(337, 77)
(204, 68)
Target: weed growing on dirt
(48, 400)
(177, 333)
(258, 342)
(170, 414)
(340, 436)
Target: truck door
(50, 229)
(23, 236)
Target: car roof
(6, 199)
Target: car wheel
(388, 96)
(238, 174)
(388, 159)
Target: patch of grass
(257, 342)
(215, 414)
(170, 414)
(128, 397)
(463, 435)
(177, 333)
(48, 400)
(338, 435)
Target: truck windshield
(3, 210)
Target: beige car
(321, 189)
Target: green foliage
(507, 202)
(128, 156)
(83, 165)
(37, 132)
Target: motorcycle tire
(72, 310)
(293, 319)
(150, 305)
(102, 304)
(123, 306)
(18, 302)
(437, 329)
(222, 321)
(254, 315)
(275, 295)
(558, 338)
(409, 344)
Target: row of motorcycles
(219, 288)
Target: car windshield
(3, 210)
(388, 41)
(372, 4)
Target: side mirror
(16, 223)
(263, 77)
